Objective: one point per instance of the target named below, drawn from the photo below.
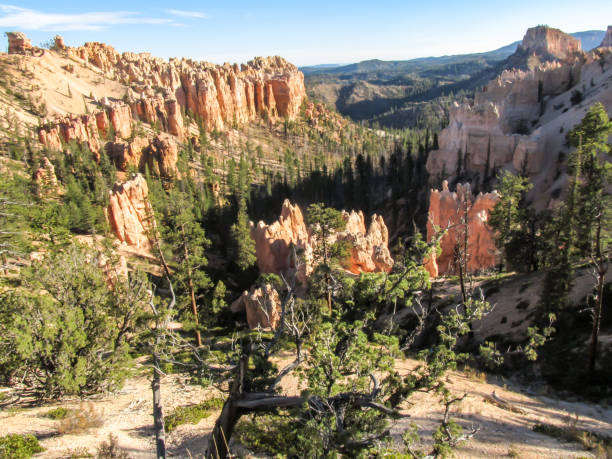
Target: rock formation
(262, 306)
(549, 43)
(369, 252)
(607, 39)
(219, 95)
(273, 243)
(447, 209)
(369, 249)
(18, 43)
(515, 121)
(129, 212)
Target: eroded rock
(262, 306)
(446, 210)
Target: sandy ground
(503, 433)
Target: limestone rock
(446, 209)
(18, 43)
(262, 306)
(129, 212)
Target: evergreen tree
(243, 247)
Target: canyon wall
(274, 242)
(517, 121)
(607, 39)
(220, 95)
(447, 210)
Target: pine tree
(243, 247)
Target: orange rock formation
(447, 209)
(370, 252)
(262, 306)
(129, 212)
(18, 43)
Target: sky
(305, 33)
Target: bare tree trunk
(600, 274)
(158, 414)
(218, 445)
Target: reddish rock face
(273, 243)
(82, 129)
(18, 43)
(220, 95)
(129, 212)
(262, 306)
(59, 43)
(545, 41)
(447, 208)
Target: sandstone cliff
(447, 209)
(273, 243)
(129, 212)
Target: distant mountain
(404, 93)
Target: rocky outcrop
(447, 210)
(58, 43)
(72, 128)
(219, 95)
(273, 244)
(369, 249)
(547, 42)
(607, 39)
(129, 212)
(262, 307)
(18, 43)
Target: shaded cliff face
(447, 209)
(273, 243)
(548, 42)
(129, 212)
(607, 40)
(220, 94)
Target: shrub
(19, 446)
(522, 305)
(576, 97)
(191, 414)
(57, 413)
(81, 420)
(111, 450)
(269, 434)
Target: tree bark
(158, 414)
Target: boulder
(18, 43)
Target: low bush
(81, 420)
(191, 414)
(57, 413)
(19, 446)
(111, 450)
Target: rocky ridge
(447, 210)
(515, 121)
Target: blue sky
(305, 33)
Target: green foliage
(65, 329)
(191, 414)
(57, 413)
(272, 434)
(19, 446)
(242, 250)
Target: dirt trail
(504, 433)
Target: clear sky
(305, 33)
